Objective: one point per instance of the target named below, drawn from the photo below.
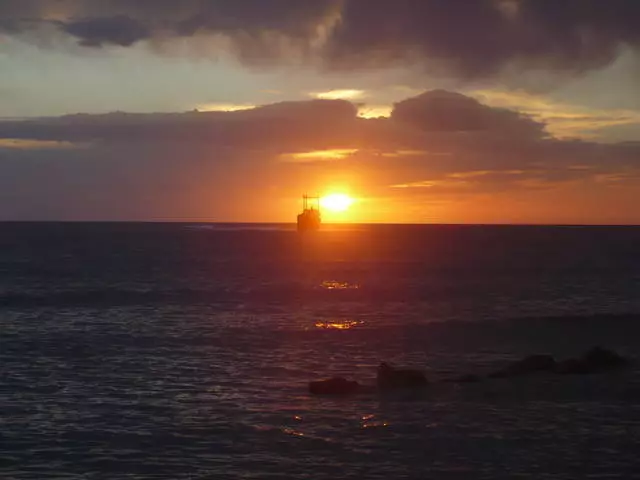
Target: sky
(423, 111)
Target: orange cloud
(321, 155)
(224, 107)
(439, 157)
(32, 144)
(562, 120)
(375, 111)
(340, 94)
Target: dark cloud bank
(440, 144)
(469, 38)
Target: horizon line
(338, 224)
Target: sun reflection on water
(339, 324)
(369, 421)
(335, 285)
(375, 425)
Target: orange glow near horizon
(336, 202)
(321, 155)
(224, 107)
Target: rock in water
(468, 378)
(334, 386)
(596, 360)
(390, 378)
(574, 366)
(530, 364)
(602, 359)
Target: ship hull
(308, 221)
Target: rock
(574, 366)
(596, 360)
(390, 378)
(602, 359)
(334, 386)
(528, 365)
(468, 378)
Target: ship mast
(310, 203)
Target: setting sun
(336, 202)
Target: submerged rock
(334, 386)
(390, 378)
(526, 366)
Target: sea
(184, 351)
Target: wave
(242, 227)
(270, 227)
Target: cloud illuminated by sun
(375, 111)
(320, 155)
(224, 107)
(336, 202)
(30, 144)
(347, 94)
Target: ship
(310, 218)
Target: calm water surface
(183, 351)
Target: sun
(336, 202)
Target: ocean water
(183, 351)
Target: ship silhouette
(310, 218)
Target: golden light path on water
(339, 324)
(336, 285)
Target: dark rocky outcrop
(467, 378)
(526, 366)
(573, 366)
(603, 359)
(596, 360)
(390, 378)
(334, 386)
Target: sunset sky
(422, 111)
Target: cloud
(441, 110)
(312, 124)
(481, 38)
(437, 147)
(468, 39)
(316, 155)
(375, 111)
(223, 107)
(562, 120)
(118, 30)
(254, 27)
(29, 144)
(346, 94)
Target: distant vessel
(309, 220)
